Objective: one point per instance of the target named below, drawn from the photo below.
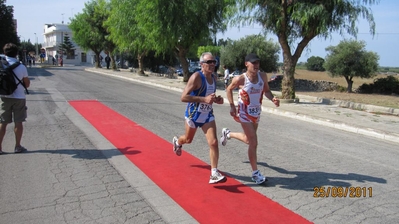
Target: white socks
(214, 171)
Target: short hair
(203, 55)
(10, 50)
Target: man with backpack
(13, 107)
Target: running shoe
(225, 136)
(217, 178)
(258, 177)
(19, 149)
(176, 146)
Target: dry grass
(373, 99)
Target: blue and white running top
(198, 114)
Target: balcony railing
(51, 44)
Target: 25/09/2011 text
(342, 192)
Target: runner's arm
(268, 92)
(194, 83)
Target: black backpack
(7, 80)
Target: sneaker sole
(178, 149)
(223, 142)
(260, 182)
(224, 179)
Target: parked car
(179, 72)
(161, 69)
(234, 74)
(193, 69)
(276, 77)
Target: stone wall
(307, 85)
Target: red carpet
(184, 179)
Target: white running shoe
(258, 177)
(225, 136)
(176, 146)
(217, 178)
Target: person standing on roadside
(107, 60)
(61, 61)
(253, 85)
(13, 106)
(226, 77)
(199, 94)
(29, 60)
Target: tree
(215, 50)
(298, 22)
(27, 46)
(66, 47)
(105, 8)
(179, 24)
(350, 59)
(233, 54)
(88, 30)
(315, 63)
(223, 42)
(8, 32)
(126, 33)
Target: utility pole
(36, 45)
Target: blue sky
(32, 15)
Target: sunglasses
(209, 62)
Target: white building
(54, 36)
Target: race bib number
(204, 108)
(254, 110)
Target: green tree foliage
(25, 48)
(179, 24)
(105, 8)
(125, 31)
(233, 54)
(67, 47)
(8, 32)
(350, 59)
(88, 30)
(297, 22)
(223, 42)
(28, 46)
(215, 50)
(315, 63)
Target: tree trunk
(350, 84)
(183, 62)
(113, 64)
(290, 60)
(97, 58)
(288, 82)
(140, 58)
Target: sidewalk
(367, 120)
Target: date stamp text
(342, 192)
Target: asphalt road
(70, 172)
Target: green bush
(315, 63)
(366, 88)
(341, 89)
(387, 85)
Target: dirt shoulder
(372, 99)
